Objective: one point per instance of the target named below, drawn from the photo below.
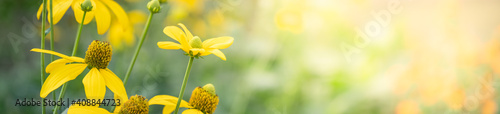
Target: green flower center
(195, 42)
(135, 105)
(98, 54)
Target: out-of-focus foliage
(288, 56)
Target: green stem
(186, 77)
(51, 32)
(52, 40)
(42, 46)
(132, 63)
(77, 40)
(75, 47)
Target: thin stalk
(75, 47)
(42, 46)
(77, 40)
(52, 39)
(132, 63)
(186, 77)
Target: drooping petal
(218, 53)
(115, 36)
(189, 36)
(56, 64)
(61, 76)
(77, 9)
(60, 7)
(114, 83)
(95, 86)
(218, 43)
(192, 111)
(119, 13)
(169, 102)
(39, 12)
(102, 17)
(75, 109)
(168, 45)
(168, 109)
(136, 17)
(73, 59)
(119, 101)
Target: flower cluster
(99, 55)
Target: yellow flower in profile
(95, 82)
(120, 35)
(203, 101)
(192, 45)
(102, 11)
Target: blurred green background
(288, 56)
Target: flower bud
(154, 6)
(195, 42)
(86, 6)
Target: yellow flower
(101, 11)
(193, 45)
(203, 100)
(95, 82)
(120, 35)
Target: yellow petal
(95, 86)
(192, 111)
(218, 53)
(61, 76)
(56, 64)
(60, 7)
(115, 36)
(137, 17)
(197, 50)
(169, 102)
(177, 34)
(75, 109)
(207, 52)
(73, 59)
(189, 36)
(218, 43)
(168, 45)
(102, 17)
(114, 83)
(77, 9)
(119, 13)
(121, 101)
(168, 109)
(39, 12)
